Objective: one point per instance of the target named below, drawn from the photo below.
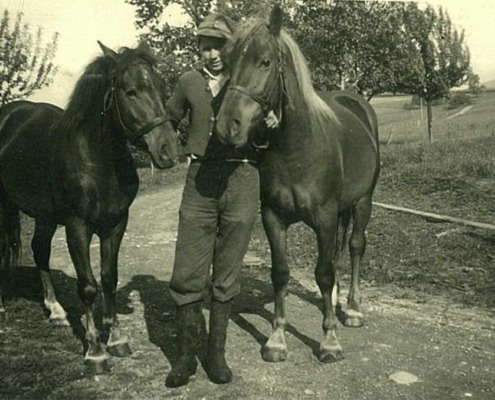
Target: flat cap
(216, 25)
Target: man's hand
(271, 120)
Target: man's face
(210, 48)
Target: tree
(443, 58)
(26, 64)
(367, 46)
(357, 45)
(176, 47)
(327, 34)
(474, 85)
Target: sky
(81, 23)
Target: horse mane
(302, 85)
(86, 100)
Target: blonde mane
(318, 109)
(316, 106)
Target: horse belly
(25, 155)
(361, 169)
(296, 189)
(30, 193)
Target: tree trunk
(430, 118)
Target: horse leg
(41, 246)
(3, 266)
(325, 225)
(78, 240)
(275, 348)
(340, 244)
(117, 344)
(10, 242)
(361, 213)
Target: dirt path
(450, 349)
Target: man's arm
(177, 105)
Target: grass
(454, 173)
(409, 126)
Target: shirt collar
(216, 82)
(222, 76)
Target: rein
(110, 99)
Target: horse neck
(113, 139)
(298, 131)
(102, 140)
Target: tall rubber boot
(218, 370)
(189, 319)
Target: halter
(109, 99)
(263, 98)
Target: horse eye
(131, 93)
(265, 63)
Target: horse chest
(98, 196)
(288, 197)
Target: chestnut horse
(74, 168)
(320, 167)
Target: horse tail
(342, 232)
(10, 244)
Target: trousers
(216, 217)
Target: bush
(458, 100)
(415, 103)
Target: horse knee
(280, 277)
(324, 279)
(88, 293)
(357, 244)
(109, 280)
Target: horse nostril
(235, 126)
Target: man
(217, 213)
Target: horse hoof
(273, 355)
(97, 367)
(119, 350)
(354, 321)
(331, 356)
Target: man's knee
(223, 292)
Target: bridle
(264, 98)
(110, 98)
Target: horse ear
(144, 46)
(276, 20)
(108, 52)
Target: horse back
(26, 147)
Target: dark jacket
(193, 94)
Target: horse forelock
(303, 89)
(86, 100)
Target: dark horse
(74, 168)
(320, 167)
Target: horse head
(254, 55)
(136, 94)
